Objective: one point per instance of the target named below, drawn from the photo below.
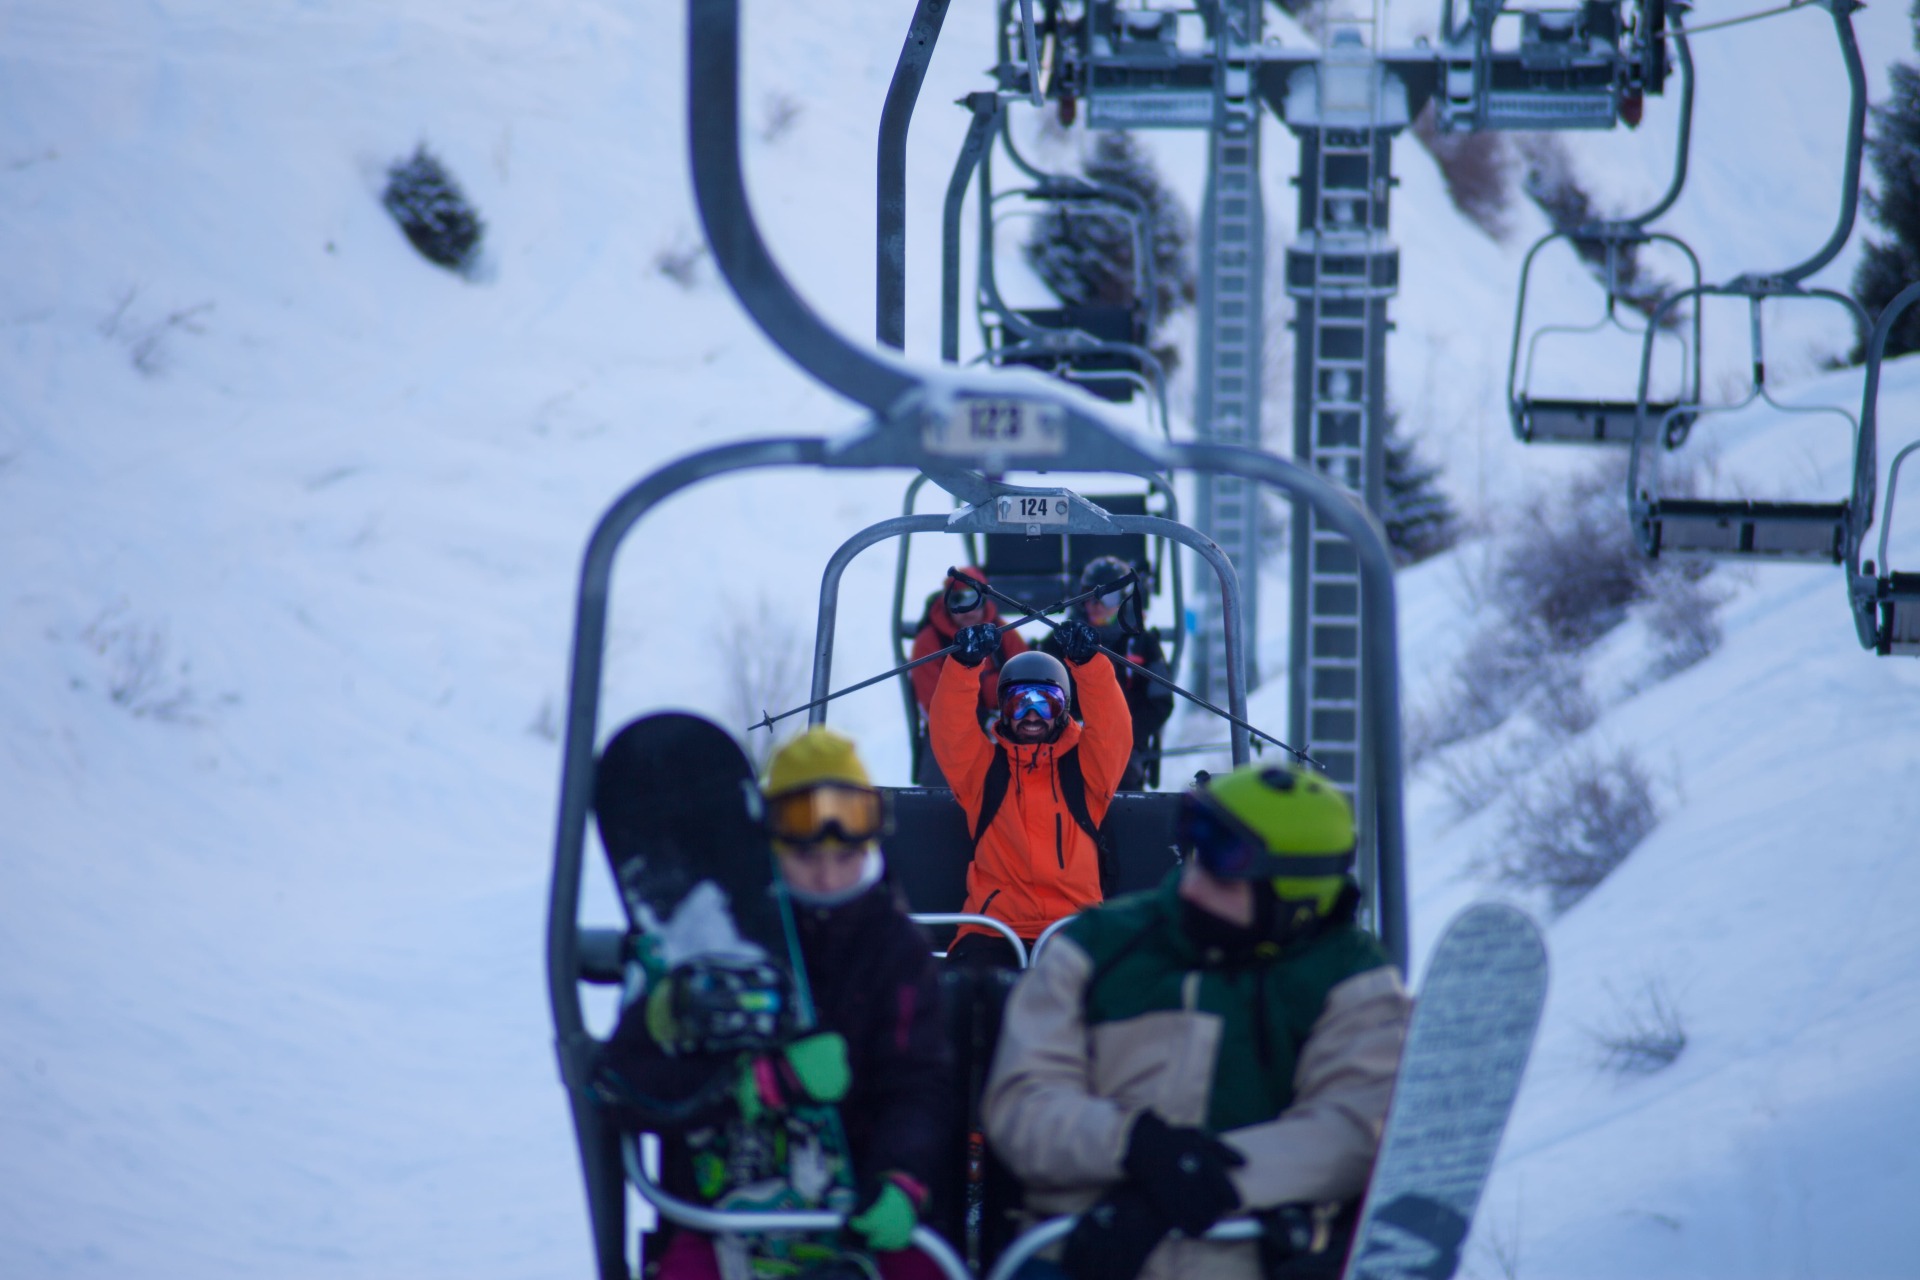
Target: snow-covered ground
(291, 522)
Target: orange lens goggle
(833, 811)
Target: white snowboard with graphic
(1467, 1049)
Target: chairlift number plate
(1012, 428)
(1020, 508)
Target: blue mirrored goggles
(1219, 842)
(1018, 701)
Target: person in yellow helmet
(1223, 1045)
(879, 1049)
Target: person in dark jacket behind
(960, 603)
(879, 1050)
(1116, 619)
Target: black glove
(1078, 641)
(975, 644)
(1184, 1172)
(1113, 1239)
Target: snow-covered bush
(433, 212)
(1086, 256)
(1575, 823)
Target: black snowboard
(679, 812)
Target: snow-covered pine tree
(1890, 265)
(1419, 517)
(433, 212)
(1086, 257)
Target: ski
(1472, 1032)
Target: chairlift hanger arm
(719, 185)
(985, 107)
(890, 217)
(1842, 13)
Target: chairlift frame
(1063, 346)
(1160, 561)
(919, 420)
(1744, 528)
(1571, 420)
(1885, 602)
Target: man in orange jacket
(1035, 785)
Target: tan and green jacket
(1289, 1057)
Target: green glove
(819, 1066)
(886, 1220)
(811, 1069)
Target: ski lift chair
(1100, 347)
(1743, 528)
(1585, 420)
(1885, 601)
(959, 427)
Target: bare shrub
(139, 674)
(1576, 823)
(1685, 617)
(1473, 777)
(1478, 168)
(1561, 704)
(764, 666)
(779, 112)
(1489, 682)
(147, 340)
(1570, 564)
(1645, 1036)
(680, 261)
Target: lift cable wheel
(1745, 528)
(1885, 601)
(1577, 420)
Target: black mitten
(1184, 1172)
(1113, 1239)
(974, 645)
(1078, 641)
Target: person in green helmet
(1224, 1045)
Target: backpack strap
(992, 792)
(1073, 790)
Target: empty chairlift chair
(1541, 419)
(1100, 347)
(1885, 601)
(1667, 523)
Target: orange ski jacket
(1034, 863)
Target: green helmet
(1273, 822)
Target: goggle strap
(1307, 866)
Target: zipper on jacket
(989, 901)
(1059, 849)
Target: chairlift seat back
(1538, 421)
(1810, 531)
(1899, 631)
(1086, 368)
(930, 847)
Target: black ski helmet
(1036, 667)
(1103, 569)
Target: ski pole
(1155, 676)
(768, 720)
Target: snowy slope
(291, 521)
